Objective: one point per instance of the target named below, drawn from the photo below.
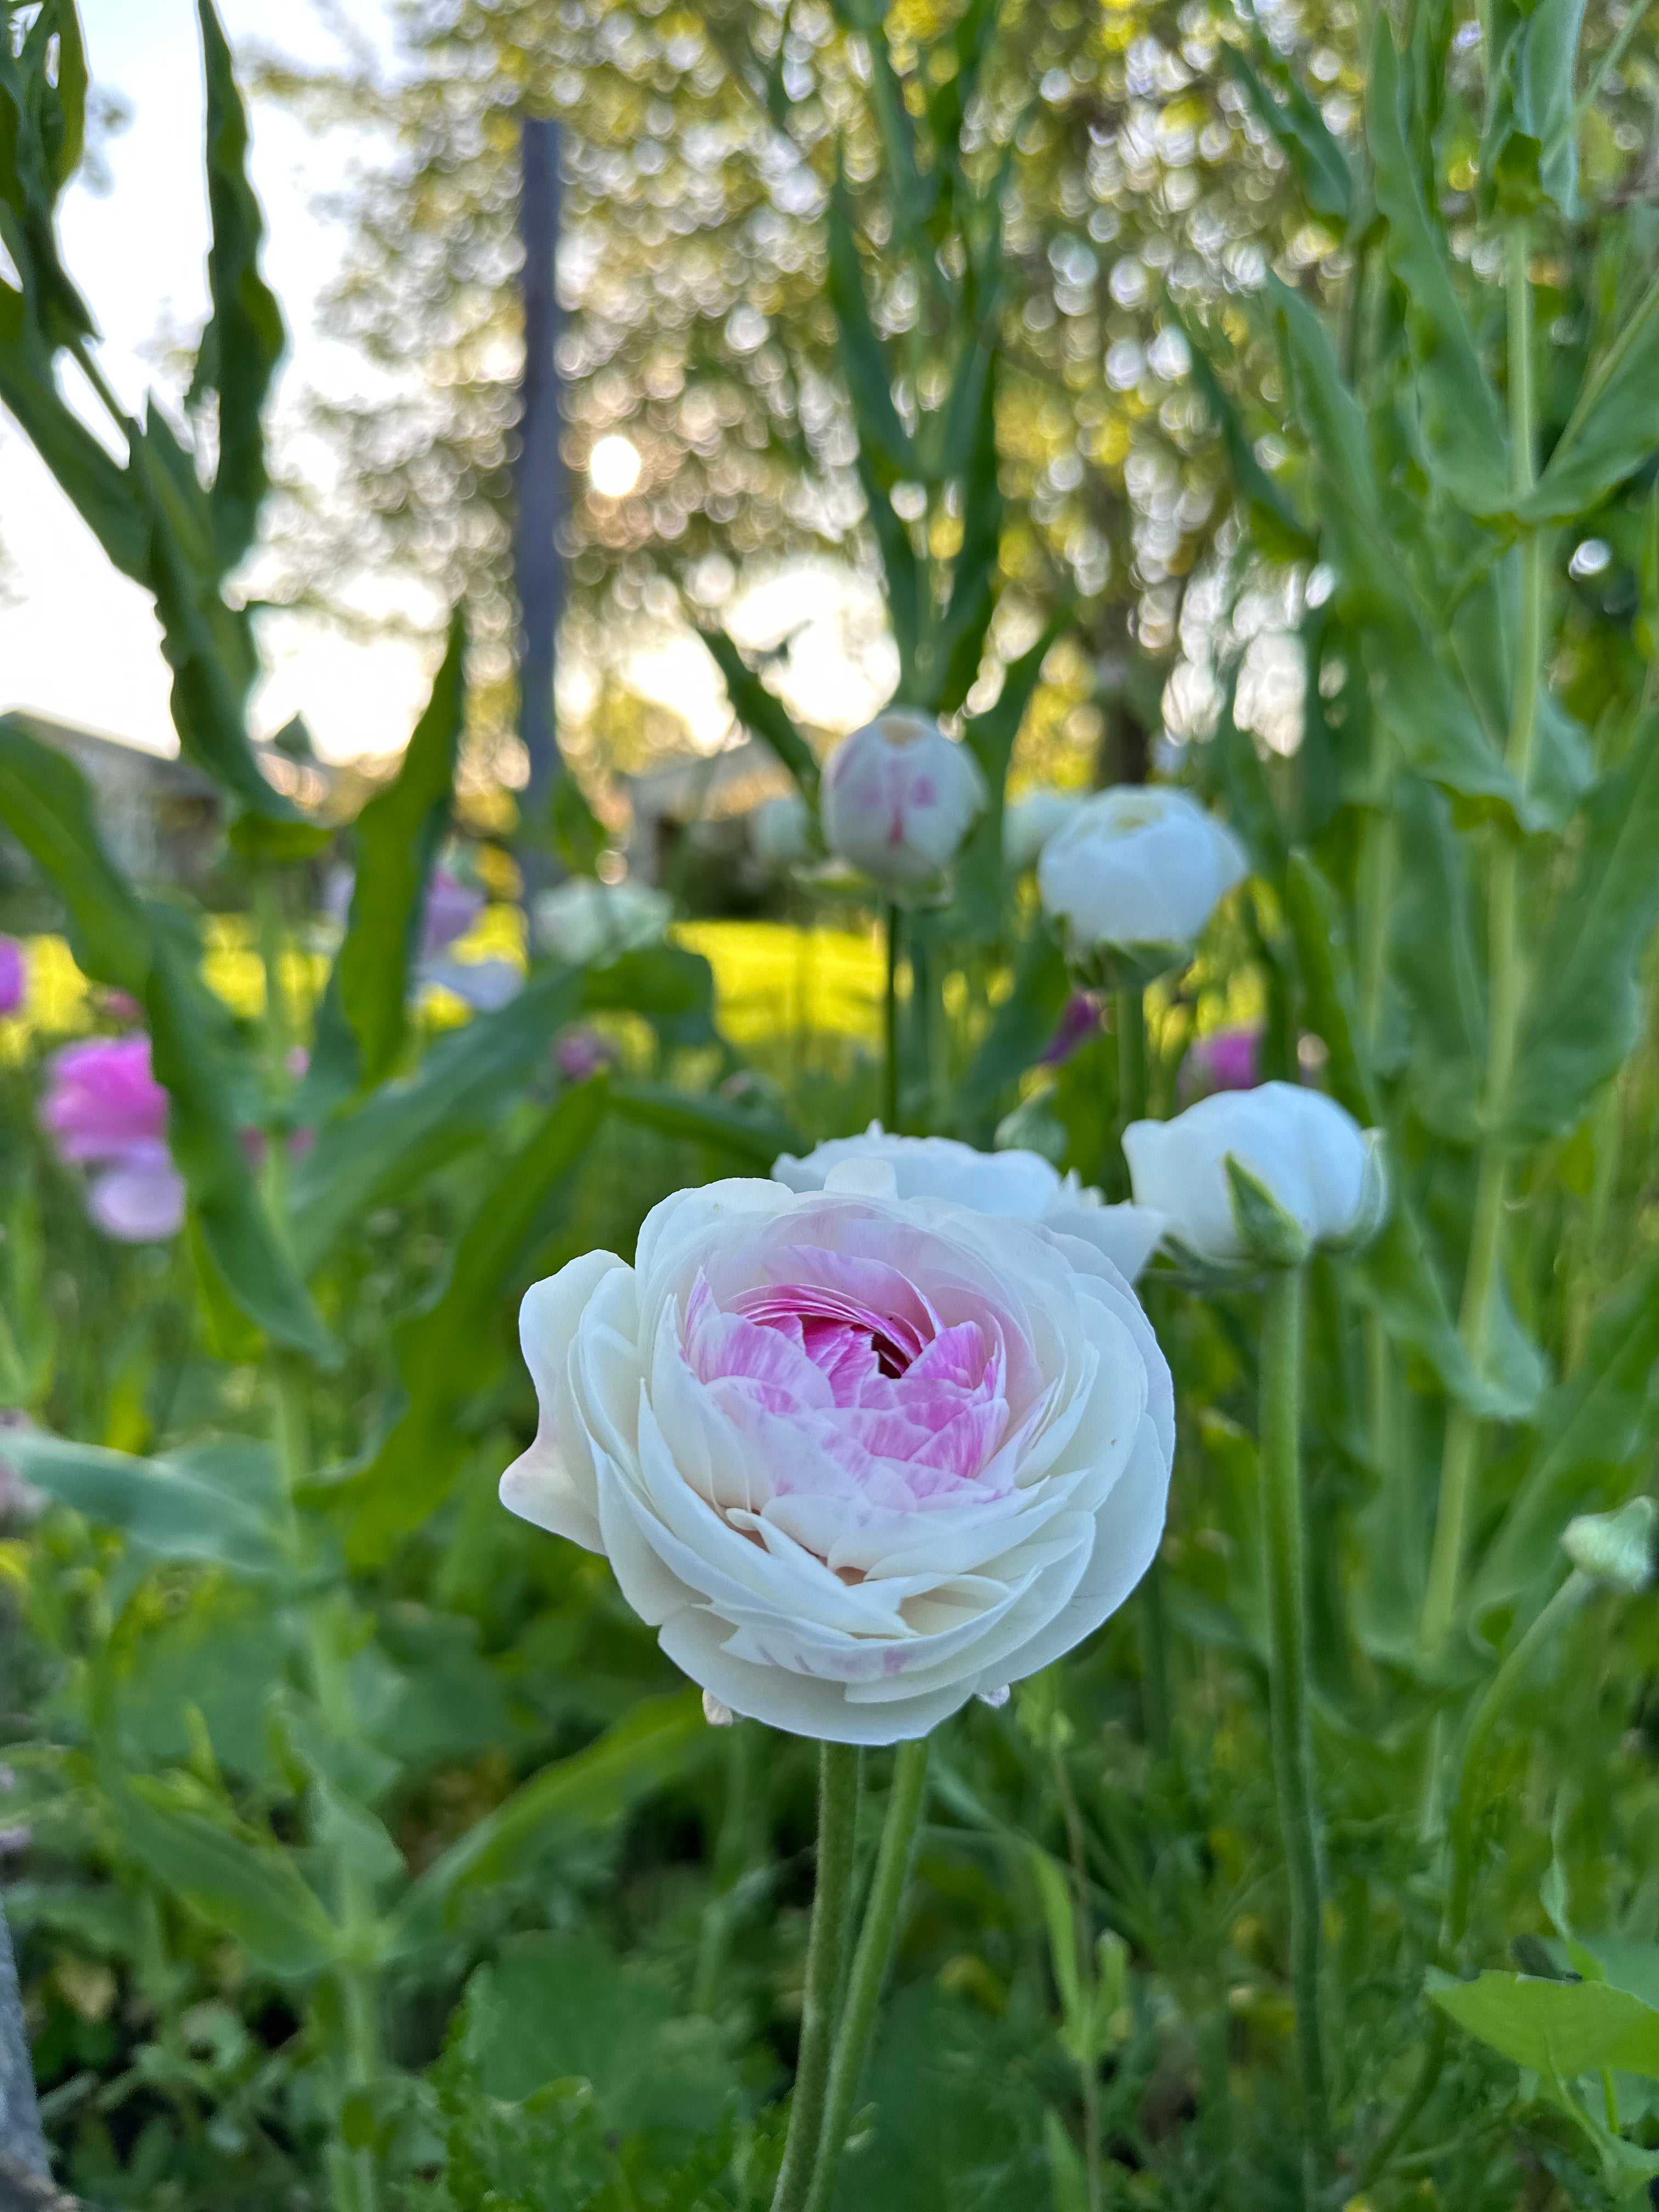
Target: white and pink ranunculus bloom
(1017, 1185)
(899, 797)
(856, 1457)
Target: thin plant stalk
(716, 1933)
(870, 1965)
(1484, 1269)
(1088, 2068)
(1284, 1530)
(889, 1109)
(838, 1799)
(1131, 1007)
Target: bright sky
(78, 642)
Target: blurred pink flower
(14, 975)
(1078, 1022)
(1226, 1060)
(452, 908)
(121, 1006)
(104, 1107)
(582, 1052)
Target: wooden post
(537, 561)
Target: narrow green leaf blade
(762, 714)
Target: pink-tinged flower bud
(140, 1199)
(582, 1052)
(14, 975)
(899, 797)
(1226, 1060)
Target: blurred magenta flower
(14, 975)
(1077, 1023)
(582, 1052)
(1226, 1060)
(104, 1107)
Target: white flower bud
(781, 832)
(583, 921)
(1302, 1154)
(899, 797)
(1137, 871)
(1621, 1549)
(1028, 823)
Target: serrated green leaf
(244, 339)
(1584, 1013)
(762, 714)
(1317, 159)
(1463, 432)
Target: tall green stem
(870, 1965)
(1483, 1271)
(1131, 1055)
(838, 1798)
(890, 1015)
(717, 1916)
(1283, 1526)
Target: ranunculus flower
(584, 920)
(1020, 1186)
(781, 832)
(14, 977)
(856, 1457)
(1309, 1153)
(898, 798)
(1137, 872)
(1225, 1060)
(104, 1106)
(1028, 823)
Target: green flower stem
(1483, 1272)
(889, 1109)
(1131, 1055)
(838, 1805)
(870, 1964)
(716, 1930)
(1284, 1524)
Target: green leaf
(1529, 147)
(244, 339)
(450, 1352)
(958, 2121)
(46, 804)
(1584, 1015)
(660, 1740)
(1317, 159)
(701, 1120)
(367, 1154)
(991, 737)
(959, 643)
(1430, 713)
(96, 487)
(1020, 1029)
(1590, 1430)
(558, 2007)
(364, 1019)
(1275, 524)
(1484, 638)
(1558, 2029)
(884, 441)
(1314, 913)
(247, 1890)
(1243, 782)
(164, 1507)
(1432, 951)
(1463, 432)
(1613, 429)
(762, 714)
